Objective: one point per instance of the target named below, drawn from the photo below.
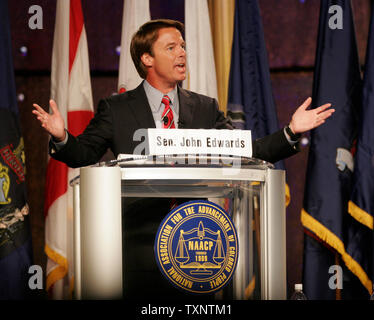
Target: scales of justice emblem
(200, 240)
(196, 247)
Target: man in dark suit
(158, 52)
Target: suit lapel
(186, 108)
(142, 113)
(140, 108)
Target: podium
(252, 191)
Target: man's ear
(147, 60)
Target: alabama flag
(135, 14)
(71, 89)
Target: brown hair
(142, 41)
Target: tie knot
(166, 100)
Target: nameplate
(200, 141)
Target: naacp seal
(196, 247)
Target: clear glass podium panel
(249, 190)
(239, 198)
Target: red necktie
(168, 123)
(167, 116)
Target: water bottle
(298, 294)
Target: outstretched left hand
(304, 120)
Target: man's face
(168, 65)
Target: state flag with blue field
(325, 217)
(15, 234)
(250, 99)
(361, 204)
(251, 103)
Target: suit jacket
(119, 116)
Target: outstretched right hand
(53, 123)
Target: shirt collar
(155, 96)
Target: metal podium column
(273, 237)
(101, 233)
